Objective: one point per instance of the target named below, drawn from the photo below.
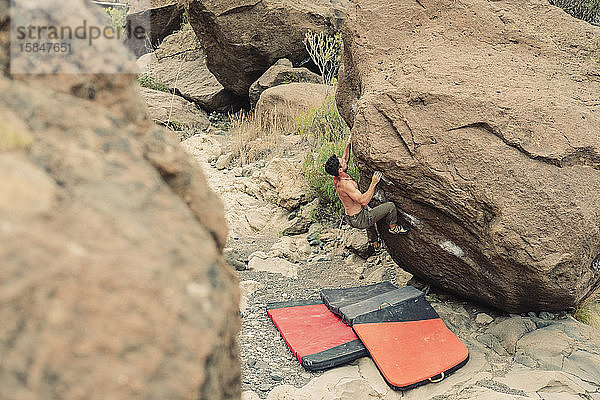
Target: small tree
(325, 51)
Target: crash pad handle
(383, 304)
(437, 380)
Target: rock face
(172, 110)
(484, 118)
(281, 73)
(243, 38)
(180, 64)
(112, 282)
(157, 18)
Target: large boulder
(180, 65)
(154, 20)
(243, 38)
(281, 73)
(173, 111)
(112, 281)
(279, 107)
(484, 117)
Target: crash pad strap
(414, 309)
(378, 302)
(338, 298)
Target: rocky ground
(542, 356)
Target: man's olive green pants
(367, 218)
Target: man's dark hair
(332, 165)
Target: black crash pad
(318, 338)
(393, 297)
(335, 299)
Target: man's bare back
(343, 184)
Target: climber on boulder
(358, 213)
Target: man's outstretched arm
(346, 155)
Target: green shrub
(324, 123)
(185, 22)
(176, 125)
(117, 18)
(329, 133)
(148, 81)
(290, 77)
(587, 10)
(589, 313)
(220, 120)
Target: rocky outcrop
(279, 106)
(243, 38)
(180, 65)
(285, 177)
(111, 244)
(281, 73)
(484, 118)
(173, 111)
(156, 19)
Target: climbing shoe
(399, 230)
(377, 247)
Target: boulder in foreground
(112, 281)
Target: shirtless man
(358, 213)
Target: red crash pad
(318, 338)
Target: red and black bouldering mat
(410, 344)
(335, 299)
(318, 338)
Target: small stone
(314, 242)
(328, 236)
(276, 376)
(298, 227)
(546, 315)
(314, 236)
(261, 365)
(223, 161)
(264, 387)
(237, 172)
(483, 319)
(251, 362)
(531, 314)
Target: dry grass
(11, 139)
(257, 135)
(589, 312)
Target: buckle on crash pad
(437, 380)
